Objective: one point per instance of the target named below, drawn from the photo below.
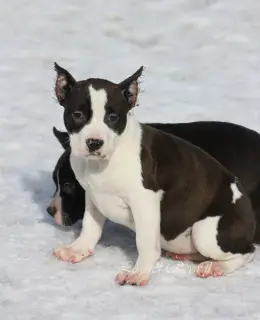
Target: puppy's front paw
(72, 254)
(133, 279)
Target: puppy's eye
(68, 187)
(112, 117)
(78, 116)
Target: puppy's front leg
(83, 246)
(145, 208)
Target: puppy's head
(95, 111)
(68, 202)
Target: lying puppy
(68, 202)
(171, 193)
(236, 147)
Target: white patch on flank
(96, 128)
(204, 234)
(236, 193)
(183, 243)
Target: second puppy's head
(68, 202)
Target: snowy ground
(203, 62)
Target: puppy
(68, 202)
(171, 193)
(234, 146)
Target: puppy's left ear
(64, 83)
(63, 138)
(130, 87)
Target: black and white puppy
(234, 146)
(171, 193)
(68, 202)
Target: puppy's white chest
(114, 208)
(108, 191)
(108, 194)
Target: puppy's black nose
(51, 211)
(94, 144)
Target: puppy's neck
(131, 133)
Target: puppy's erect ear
(64, 83)
(63, 138)
(130, 87)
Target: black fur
(63, 138)
(70, 192)
(236, 147)
(195, 187)
(74, 97)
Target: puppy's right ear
(63, 138)
(63, 84)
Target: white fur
(92, 226)
(183, 243)
(231, 265)
(236, 193)
(204, 235)
(116, 190)
(223, 267)
(96, 129)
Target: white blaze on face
(98, 100)
(236, 193)
(96, 128)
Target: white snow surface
(203, 63)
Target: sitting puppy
(236, 147)
(171, 193)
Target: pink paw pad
(179, 257)
(133, 279)
(209, 269)
(70, 255)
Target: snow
(203, 63)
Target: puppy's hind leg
(226, 239)
(195, 257)
(182, 248)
